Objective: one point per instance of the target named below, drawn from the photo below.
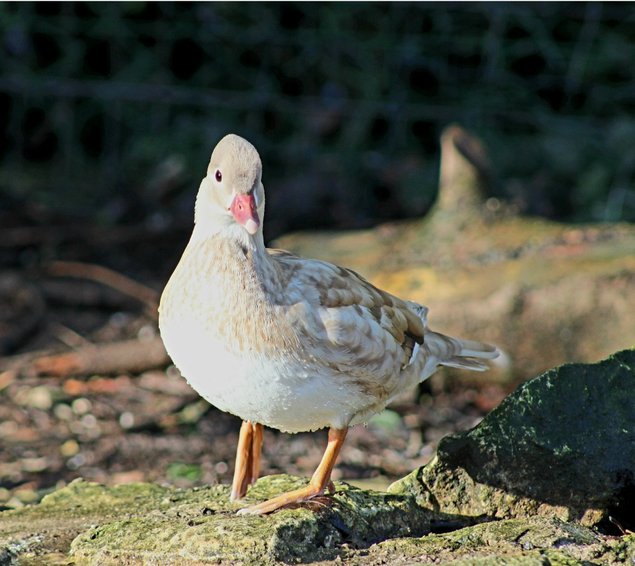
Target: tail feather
(473, 349)
(458, 353)
(465, 363)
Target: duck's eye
(218, 175)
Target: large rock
(563, 445)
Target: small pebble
(126, 420)
(81, 406)
(76, 461)
(40, 398)
(63, 412)
(34, 464)
(69, 448)
(221, 467)
(88, 421)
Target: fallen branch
(130, 356)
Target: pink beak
(243, 207)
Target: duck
(287, 342)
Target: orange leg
(319, 481)
(247, 459)
(256, 449)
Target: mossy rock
(139, 523)
(562, 445)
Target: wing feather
(355, 326)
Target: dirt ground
(151, 426)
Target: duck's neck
(232, 250)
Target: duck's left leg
(319, 481)
(247, 459)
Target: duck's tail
(457, 353)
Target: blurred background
(108, 115)
(109, 111)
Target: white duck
(291, 343)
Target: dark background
(108, 111)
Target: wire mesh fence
(108, 106)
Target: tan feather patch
(338, 288)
